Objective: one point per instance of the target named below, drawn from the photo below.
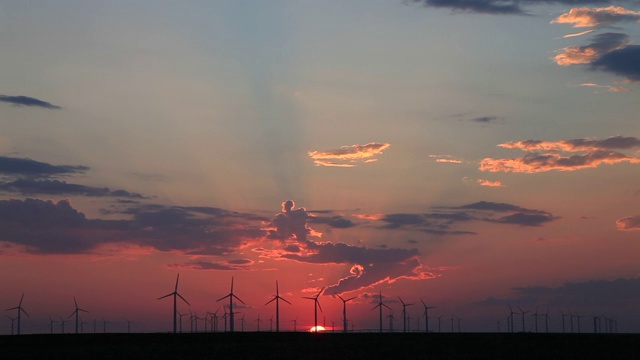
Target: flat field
(287, 345)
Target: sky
(469, 154)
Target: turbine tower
(76, 312)
(175, 295)
(344, 311)
(380, 305)
(231, 295)
(20, 311)
(426, 315)
(277, 299)
(315, 308)
(404, 314)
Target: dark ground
(368, 346)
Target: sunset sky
(475, 154)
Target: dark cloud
(485, 119)
(623, 62)
(56, 227)
(337, 221)
(21, 100)
(31, 168)
(498, 207)
(498, 7)
(524, 219)
(55, 187)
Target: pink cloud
(629, 223)
(577, 34)
(489, 183)
(346, 156)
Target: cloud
(486, 119)
(32, 168)
(21, 100)
(446, 159)
(55, 187)
(629, 223)
(337, 221)
(607, 87)
(593, 17)
(587, 54)
(489, 183)
(57, 228)
(622, 61)
(374, 265)
(498, 7)
(594, 153)
(577, 34)
(233, 265)
(347, 156)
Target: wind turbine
(344, 311)
(277, 299)
(546, 321)
(295, 324)
(426, 315)
(258, 321)
(104, 325)
(51, 322)
(391, 317)
(535, 316)
(315, 308)
(181, 315)
(20, 311)
(523, 313)
(510, 318)
(404, 313)
(175, 295)
(563, 316)
(231, 295)
(13, 320)
(76, 312)
(62, 322)
(380, 305)
(128, 325)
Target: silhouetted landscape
(268, 345)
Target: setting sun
(317, 328)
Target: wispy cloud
(348, 156)
(21, 100)
(592, 154)
(608, 88)
(577, 34)
(497, 7)
(55, 187)
(446, 159)
(486, 119)
(593, 17)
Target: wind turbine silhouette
(510, 318)
(380, 305)
(13, 320)
(51, 322)
(181, 315)
(295, 324)
(523, 313)
(62, 322)
(258, 321)
(20, 311)
(344, 311)
(404, 314)
(231, 295)
(104, 325)
(535, 316)
(316, 304)
(426, 315)
(391, 317)
(175, 295)
(76, 312)
(277, 299)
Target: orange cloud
(346, 156)
(587, 54)
(607, 87)
(594, 153)
(489, 183)
(586, 17)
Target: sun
(317, 329)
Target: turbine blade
(13, 308)
(401, 300)
(277, 290)
(320, 292)
(349, 299)
(183, 299)
(21, 297)
(425, 305)
(25, 312)
(177, 279)
(285, 300)
(162, 297)
(224, 297)
(318, 302)
(232, 284)
(270, 301)
(310, 298)
(239, 299)
(74, 300)
(343, 300)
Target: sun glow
(318, 328)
